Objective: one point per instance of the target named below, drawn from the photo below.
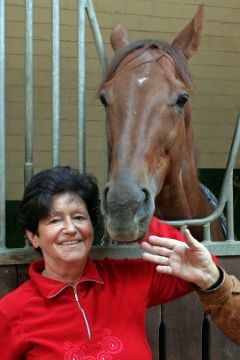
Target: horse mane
(174, 52)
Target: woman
(74, 308)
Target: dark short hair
(36, 202)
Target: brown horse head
(149, 132)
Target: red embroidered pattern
(103, 349)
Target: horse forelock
(164, 48)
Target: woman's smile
(70, 242)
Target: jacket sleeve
(6, 340)
(223, 304)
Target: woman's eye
(182, 99)
(54, 221)
(78, 217)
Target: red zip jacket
(100, 317)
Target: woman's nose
(69, 227)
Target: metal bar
(28, 166)
(224, 248)
(23, 256)
(2, 128)
(82, 85)
(97, 35)
(56, 82)
(104, 63)
(230, 214)
(206, 232)
(183, 228)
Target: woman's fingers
(157, 259)
(190, 240)
(163, 263)
(161, 241)
(155, 249)
(164, 269)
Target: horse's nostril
(104, 200)
(145, 205)
(105, 191)
(146, 195)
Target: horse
(152, 155)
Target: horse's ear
(119, 37)
(189, 38)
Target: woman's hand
(190, 261)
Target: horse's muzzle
(127, 208)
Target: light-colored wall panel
(215, 68)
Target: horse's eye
(182, 99)
(103, 99)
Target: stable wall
(216, 70)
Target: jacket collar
(50, 287)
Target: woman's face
(66, 235)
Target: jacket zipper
(82, 311)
